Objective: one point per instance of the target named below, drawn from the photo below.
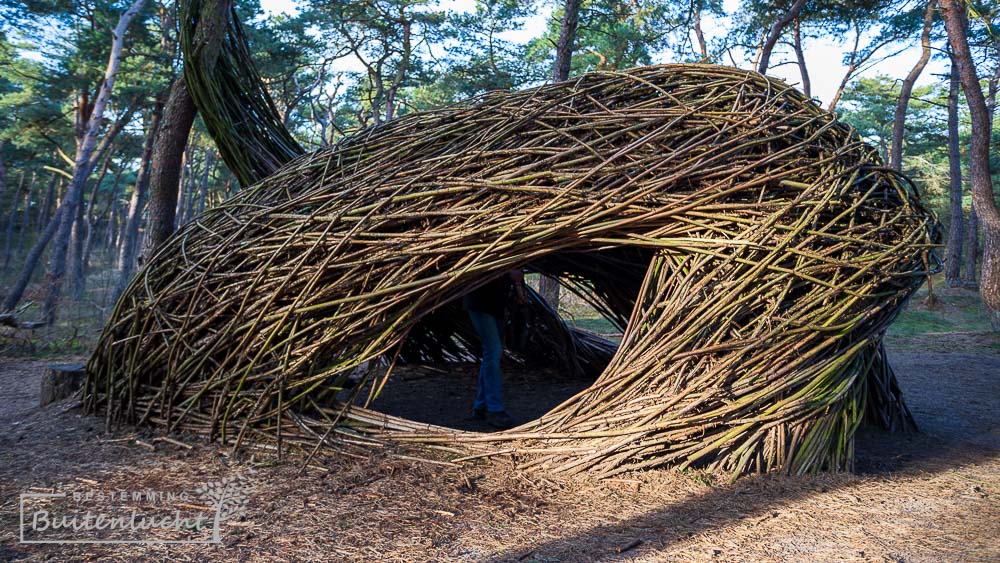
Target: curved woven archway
(777, 251)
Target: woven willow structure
(752, 247)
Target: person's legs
(479, 406)
(489, 396)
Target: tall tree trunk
(193, 175)
(129, 248)
(979, 157)
(45, 212)
(993, 85)
(182, 187)
(972, 247)
(852, 66)
(800, 57)
(111, 212)
(75, 257)
(953, 252)
(111, 234)
(25, 214)
(696, 9)
(186, 184)
(164, 178)
(567, 36)
(3, 173)
(104, 148)
(11, 220)
(906, 89)
(83, 235)
(764, 56)
(209, 163)
(401, 68)
(971, 251)
(31, 261)
(549, 287)
(83, 167)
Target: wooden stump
(61, 381)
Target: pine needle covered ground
(930, 496)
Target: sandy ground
(445, 398)
(933, 496)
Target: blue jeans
(489, 395)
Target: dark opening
(547, 358)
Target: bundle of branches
(229, 92)
(754, 248)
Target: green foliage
(52, 64)
(479, 59)
(387, 38)
(614, 35)
(869, 104)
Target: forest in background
(101, 155)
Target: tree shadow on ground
(752, 500)
(956, 404)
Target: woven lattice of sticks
(753, 248)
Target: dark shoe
(499, 420)
(479, 414)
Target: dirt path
(933, 496)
